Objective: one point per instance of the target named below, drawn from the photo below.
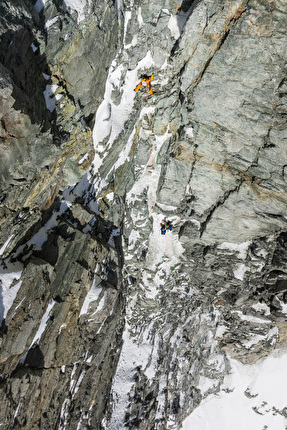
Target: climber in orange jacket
(145, 82)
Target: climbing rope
(167, 248)
(155, 314)
(150, 166)
(150, 152)
(151, 196)
(169, 256)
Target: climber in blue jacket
(165, 225)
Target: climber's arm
(149, 79)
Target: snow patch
(262, 308)
(74, 387)
(37, 241)
(240, 248)
(77, 5)
(273, 336)
(16, 413)
(253, 341)
(221, 329)
(239, 272)
(251, 318)
(118, 7)
(128, 15)
(173, 26)
(91, 297)
(9, 287)
(207, 384)
(283, 307)
(51, 97)
(84, 158)
(139, 17)
(160, 411)
(4, 246)
(110, 196)
(110, 118)
(50, 22)
(189, 132)
(115, 233)
(40, 330)
(125, 152)
(166, 208)
(100, 305)
(43, 323)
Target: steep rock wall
(110, 324)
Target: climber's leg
(138, 87)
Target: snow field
(251, 398)
(134, 354)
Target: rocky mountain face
(107, 323)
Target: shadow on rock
(25, 69)
(35, 358)
(28, 69)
